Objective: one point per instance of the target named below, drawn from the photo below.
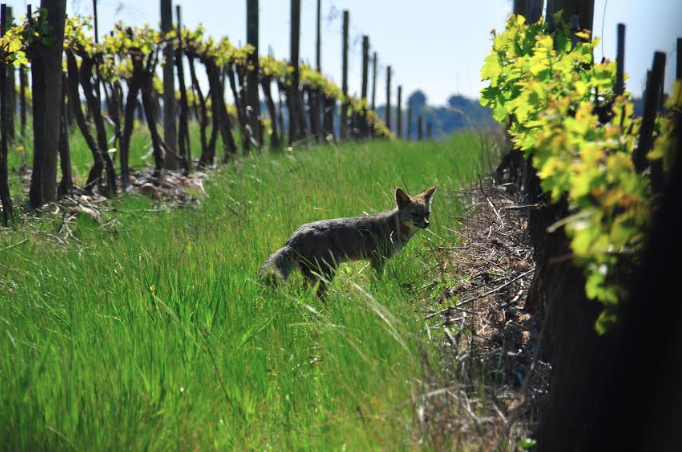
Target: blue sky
(435, 45)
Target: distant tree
(418, 100)
(459, 113)
(459, 102)
(639, 106)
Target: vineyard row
(119, 73)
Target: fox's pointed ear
(428, 194)
(401, 198)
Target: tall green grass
(154, 334)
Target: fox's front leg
(378, 262)
(310, 278)
(321, 274)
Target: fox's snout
(421, 223)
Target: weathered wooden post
(169, 108)
(344, 83)
(581, 8)
(388, 98)
(520, 7)
(95, 21)
(530, 9)
(252, 101)
(374, 81)
(534, 10)
(364, 129)
(651, 102)
(5, 197)
(620, 61)
(420, 128)
(294, 61)
(678, 73)
(12, 83)
(183, 130)
(318, 42)
(23, 81)
(374, 86)
(409, 120)
(399, 114)
(23, 84)
(319, 104)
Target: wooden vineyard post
(582, 8)
(534, 10)
(530, 9)
(409, 121)
(318, 42)
(374, 87)
(374, 82)
(22, 100)
(620, 61)
(420, 128)
(651, 102)
(344, 83)
(294, 91)
(399, 114)
(12, 83)
(655, 92)
(95, 24)
(364, 129)
(252, 101)
(678, 71)
(183, 129)
(519, 7)
(169, 107)
(388, 98)
(319, 105)
(5, 197)
(23, 83)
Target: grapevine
(114, 57)
(561, 112)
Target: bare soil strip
(489, 382)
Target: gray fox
(318, 248)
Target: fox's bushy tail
(276, 269)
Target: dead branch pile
(173, 187)
(170, 190)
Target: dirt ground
(488, 383)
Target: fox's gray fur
(318, 248)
